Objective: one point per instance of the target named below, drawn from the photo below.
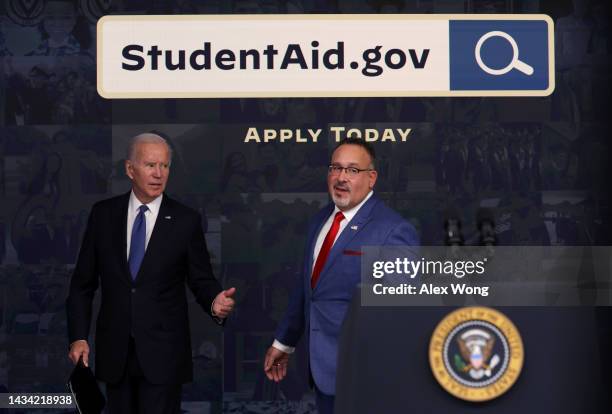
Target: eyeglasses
(350, 171)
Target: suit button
(133, 290)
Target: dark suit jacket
(153, 308)
(320, 312)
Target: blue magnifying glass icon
(515, 63)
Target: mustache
(341, 186)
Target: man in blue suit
(331, 272)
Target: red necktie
(327, 245)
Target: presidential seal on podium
(476, 353)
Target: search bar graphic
(234, 56)
(506, 55)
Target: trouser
(325, 403)
(133, 394)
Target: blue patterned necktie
(137, 245)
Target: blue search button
(499, 55)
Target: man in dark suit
(331, 268)
(141, 248)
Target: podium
(383, 362)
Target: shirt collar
(349, 214)
(135, 204)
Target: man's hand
(275, 365)
(77, 349)
(224, 303)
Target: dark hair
(363, 144)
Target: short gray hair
(145, 137)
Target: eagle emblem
(476, 347)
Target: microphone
(452, 229)
(486, 227)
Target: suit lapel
(119, 225)
(350, 231)
(159, 237)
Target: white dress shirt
(150, 218)
(348, 216)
